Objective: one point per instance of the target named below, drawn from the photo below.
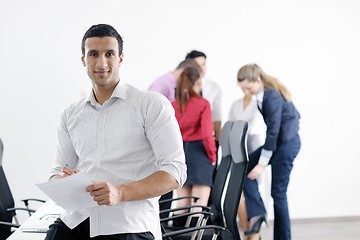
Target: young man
(127, 141)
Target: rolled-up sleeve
(162, 131)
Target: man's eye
(92, 54)
(110, 54)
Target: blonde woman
(282, 144)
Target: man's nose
(102, 61)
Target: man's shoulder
(75, 106)
(136, 94)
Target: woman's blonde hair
(252, 72)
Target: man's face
(102, 60)
(201, 61)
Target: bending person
(282, 144)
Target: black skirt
(199, 169)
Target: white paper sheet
(69, 192)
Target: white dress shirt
(211, 91)
(127, 138)
(251, 114)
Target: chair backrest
(6, 199)
(221, 175)
(239, 158)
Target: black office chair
(7, 209)
(216, 192)
(224, 225)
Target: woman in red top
(194, 117)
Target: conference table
(48, 208)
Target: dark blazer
(281, 119)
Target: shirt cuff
(265, 157)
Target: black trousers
(59, 231)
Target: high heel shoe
(255, 227)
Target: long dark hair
(184, 88)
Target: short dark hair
(194, 54)
(102, 30)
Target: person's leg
(59, 231)
(254, 203)
(183, 192)
(242, 216)
(282, 164)
(203, 193)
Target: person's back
(193, 114)
(211, 91)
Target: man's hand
(105, 193)
(256, 172)
(65, 172)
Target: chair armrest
(26, 201)
(204, 208)
(23, 209)
(217, 230)
(185, 215)
(177, 199)
(9, 224)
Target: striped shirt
(127, 138)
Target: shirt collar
(260, 96)
(119, 92)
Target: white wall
(311, 46)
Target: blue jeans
(281, 165)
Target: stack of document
(69, 192)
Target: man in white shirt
(211, 91)
(127, 141)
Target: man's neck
(103, 93)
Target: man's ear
(83, 60)
(121, 58)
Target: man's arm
(66, 157)
(105, 193)
(163, 133)
(217, 129)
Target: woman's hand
(256, 172)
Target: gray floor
(320, 229)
